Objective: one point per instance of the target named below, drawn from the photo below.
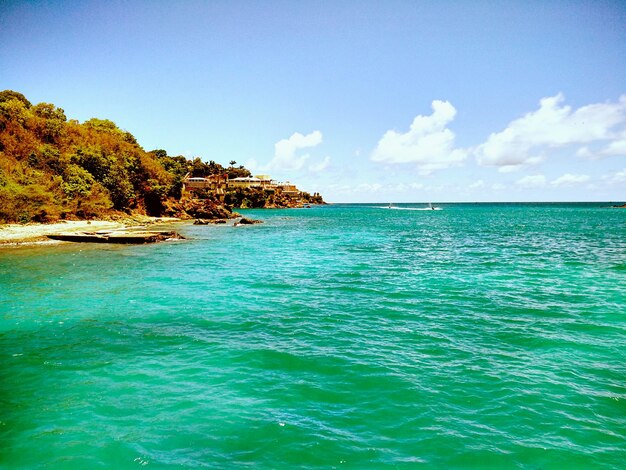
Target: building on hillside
(244, 182)
(215, 184)
(267, 182)
(289, 189)
(218, 184)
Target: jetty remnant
(119, 237)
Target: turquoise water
(478, 336)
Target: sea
(339, 336)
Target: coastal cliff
(52, 168)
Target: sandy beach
(33, 233)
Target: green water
(478, 336)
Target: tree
(77, 181)
(49, 122)
(159, 153)
(102, 125)
(49, 111)
(199, 168)
(7, 95)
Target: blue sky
(387, 101)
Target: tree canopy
(52, 167)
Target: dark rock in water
(209, 221)
(245, 221)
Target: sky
(362, 101)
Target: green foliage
(240, 172)
(177, 167)
(247, 197)
(215, 168)
(7, 95)
(51, 167)
(49, 111)
(94, 204)
(76, 181)
(94, 160)
(13, 110)
(49, 123)
(49, 157)
(120, 188)
(25, 203)
(103, 125)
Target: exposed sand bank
(17, 234)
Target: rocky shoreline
(38, 233)
(197, 211)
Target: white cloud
(619, 177)
(525, 140)
(285, 157)
(321, 166)
(379, 188)
(477, 184)
(569, 179)
(252, 164)
(615, 148)
(531, 181)
(586, 152)
(429, 144)
(376, 187)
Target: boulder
(245, 221)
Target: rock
(204, 209)
(209, 221)
(245, 221)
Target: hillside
(53, 168)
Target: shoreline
(14, 235)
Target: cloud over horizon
(526, 140)
(592, 131)
(531, 181)
(428, 144)
(569, 179)
(285, 158)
